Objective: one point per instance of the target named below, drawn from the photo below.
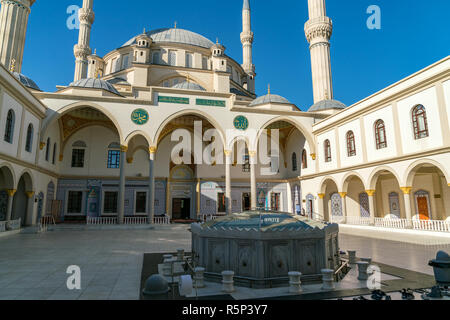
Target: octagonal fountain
(263, 247)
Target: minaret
(13, 28)
(82, 49)
(318, 31)
(247, 42)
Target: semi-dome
(188, 86)
(327, 105)
(27, 82)
(94, 84)
(269, 98)
(175, 35)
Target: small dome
(27, 82)
(175, 35)
(188, 86)
(156, 285)
(94, 84)
(327, 105)
(269, 98)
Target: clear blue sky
(414, 34)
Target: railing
(44, 222)
(101, 221)
(14, 224)
(359, 221)
(337, 219)
(431, 225)
(392, 223)
(161, 220)
(2, 226)
(135, 220)
(208, 217)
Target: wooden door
(422, 205)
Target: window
(29, 141)
(156, 57)
(221, 208)
(204, 63)
(351, 146)
(246, 165)
(75, 201)
(47, 150)
(420, 123)
(304, 159)
(54, 154)
(9, 128)
(380, 135)
(141, 202)
(113, 159)
(327, 150)
(189, 60)
(294, 162)
(126, 62)
(110, 202)
(78, 158)
(172, 58)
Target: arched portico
(330, 201)
(7, 191)
(23, 202)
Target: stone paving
(33, 266)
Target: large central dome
(175, 35)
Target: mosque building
(102, 147)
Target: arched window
(78, 152)
(29, 141)
(54, 154)
(351, 146)
(47, 150)
(114, 156)
(9, 128)
(420, 123)
(380, 134)
(327, 150)
(304, 159)
(294, 162)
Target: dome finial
(268, 89)
(144, 32)
(175, 26)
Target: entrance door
(246, 203)
(3, 205)
(181, 209)
(422, 205)
(275, 202)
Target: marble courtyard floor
(33, 266)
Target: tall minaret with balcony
(318, 31)
(247, 43)
(82, 49)
(13, 28)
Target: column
(253, 192)
(407, 199)
(344, 206)
(320, 207)
(151, 186)
(371, 194)
(11, 193)
(168, 198)
(121, 208)
(198, 190)
(228, 200)
(30, 208)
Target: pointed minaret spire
(82, 49)
(247, 43)
(318, 31)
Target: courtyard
(33, 266)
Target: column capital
(227, 152)
(29, 194)
(343, 194)
(130, 160)
(41, 145)
(11, 192)
(252, 154)
(313, 156)
(449, 184)
(406, 190)
(152, 150)
(321, 195)
(61, 158)
(123, 148)
(370, 193)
